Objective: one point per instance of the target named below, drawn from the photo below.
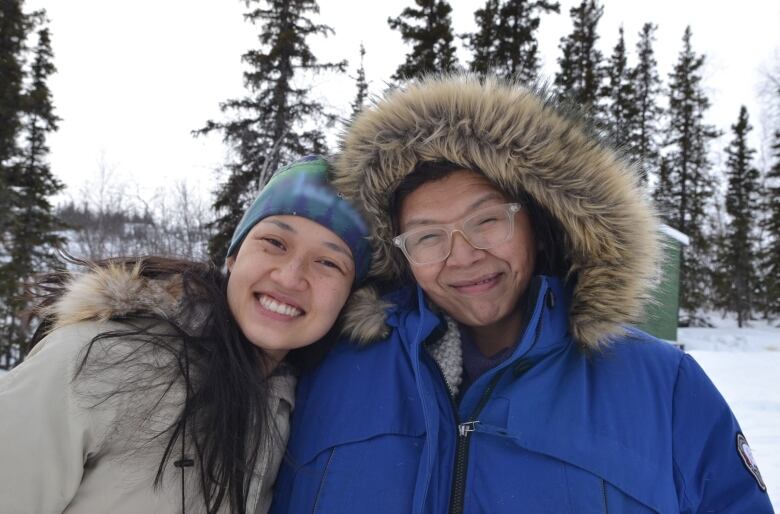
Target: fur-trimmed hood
(526, 144)
(105, 292)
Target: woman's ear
(229, 262)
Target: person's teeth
(278, 307)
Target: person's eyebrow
(283, 226)
(339, 248)
(330, 244)
(475, 205)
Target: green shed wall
(661, 317)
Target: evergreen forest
(727, 202)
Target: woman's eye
(427, 238)
(330, 264)
(273, 241)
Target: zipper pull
(466, 428)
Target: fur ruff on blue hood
(526, 144)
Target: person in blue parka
(498, 372)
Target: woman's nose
(291, 275)
(462, 253)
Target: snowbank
(758, 337)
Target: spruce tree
(31, 234)
(360, 84)
(581, 74)
(484, 42)
(664, 203)
(687, 188)
(644, 136)
(276, 122)
(621, 114)
(506, 38)
(770, 256)
(428, 28)
(738, 259)
(13, 31)
(38, 234)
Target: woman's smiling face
(288, 283)
(479, 288)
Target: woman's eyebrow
(283, 225)
(337, 247)
(474, 205)
(330, 244)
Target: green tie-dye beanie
(302, 189)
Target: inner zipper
(465, 429)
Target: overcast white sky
(134, 78)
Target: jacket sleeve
(47, 431)
(713, 468)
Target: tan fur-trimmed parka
(70, 444)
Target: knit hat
(303, 189)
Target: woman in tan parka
(164, 386)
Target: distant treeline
(728, 205)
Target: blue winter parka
(636, 428)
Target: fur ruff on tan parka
(524, 143)
(66, 448)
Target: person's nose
(462, 253)
(291, 275)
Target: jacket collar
(544, 332)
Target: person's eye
(427, 238)
(272, 241)
(331, 264)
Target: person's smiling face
(478, 288)
(288, 283)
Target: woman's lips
(479, 285)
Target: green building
(661, 317)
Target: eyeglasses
(485, 229)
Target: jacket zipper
(458, 494)
(458, 491)
(604, 493)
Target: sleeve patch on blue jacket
(743, 448)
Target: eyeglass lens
(486, 229)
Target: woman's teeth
(278, 307)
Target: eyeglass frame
(510, 209)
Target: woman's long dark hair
(225, 415)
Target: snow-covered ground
(744, 363)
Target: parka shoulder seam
(677, 468)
